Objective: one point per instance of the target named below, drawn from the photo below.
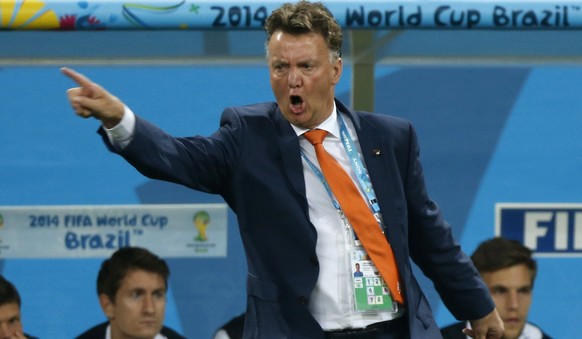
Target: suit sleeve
(201, 163)
(435, 251)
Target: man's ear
(337, 71)
(107, 305)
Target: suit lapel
(383, 170)
(289, 146)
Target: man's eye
(498, 290)
(279, 67)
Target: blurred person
(357, 272)
(276, 166)
(508, 269)
(233, 329)
(132, 286)
(10, 317)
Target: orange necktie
(358, 213)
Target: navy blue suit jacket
(253, 161)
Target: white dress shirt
(332, 303)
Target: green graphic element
(372, 294)
(194, 9)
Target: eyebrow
(143, 290)
(504, 287)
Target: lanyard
(357, 166)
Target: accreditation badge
(370, 291)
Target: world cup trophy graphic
(201, 222)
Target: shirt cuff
(121, 134)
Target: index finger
(79, 78)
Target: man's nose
(513, 300)
(148, 305)
(295, 79)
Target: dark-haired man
(300, 240)
(132, 286)
(508, 269)
(10, 317)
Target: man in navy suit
(299, 247)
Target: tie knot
(315, 136)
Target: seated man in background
(10, 319)
(132, 287)
(508, 269)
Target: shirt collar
(108, 334)
(330, 124)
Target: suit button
(314, 261)
(302, 300)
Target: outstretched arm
(92, 100)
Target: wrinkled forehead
(285, 44)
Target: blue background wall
(489, 132)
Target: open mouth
(297, 104)
(296, 100)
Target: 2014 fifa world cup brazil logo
(201, 222)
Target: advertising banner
(181, 230)
(236, 15)
(547, 229)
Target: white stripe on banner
(180, 230)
